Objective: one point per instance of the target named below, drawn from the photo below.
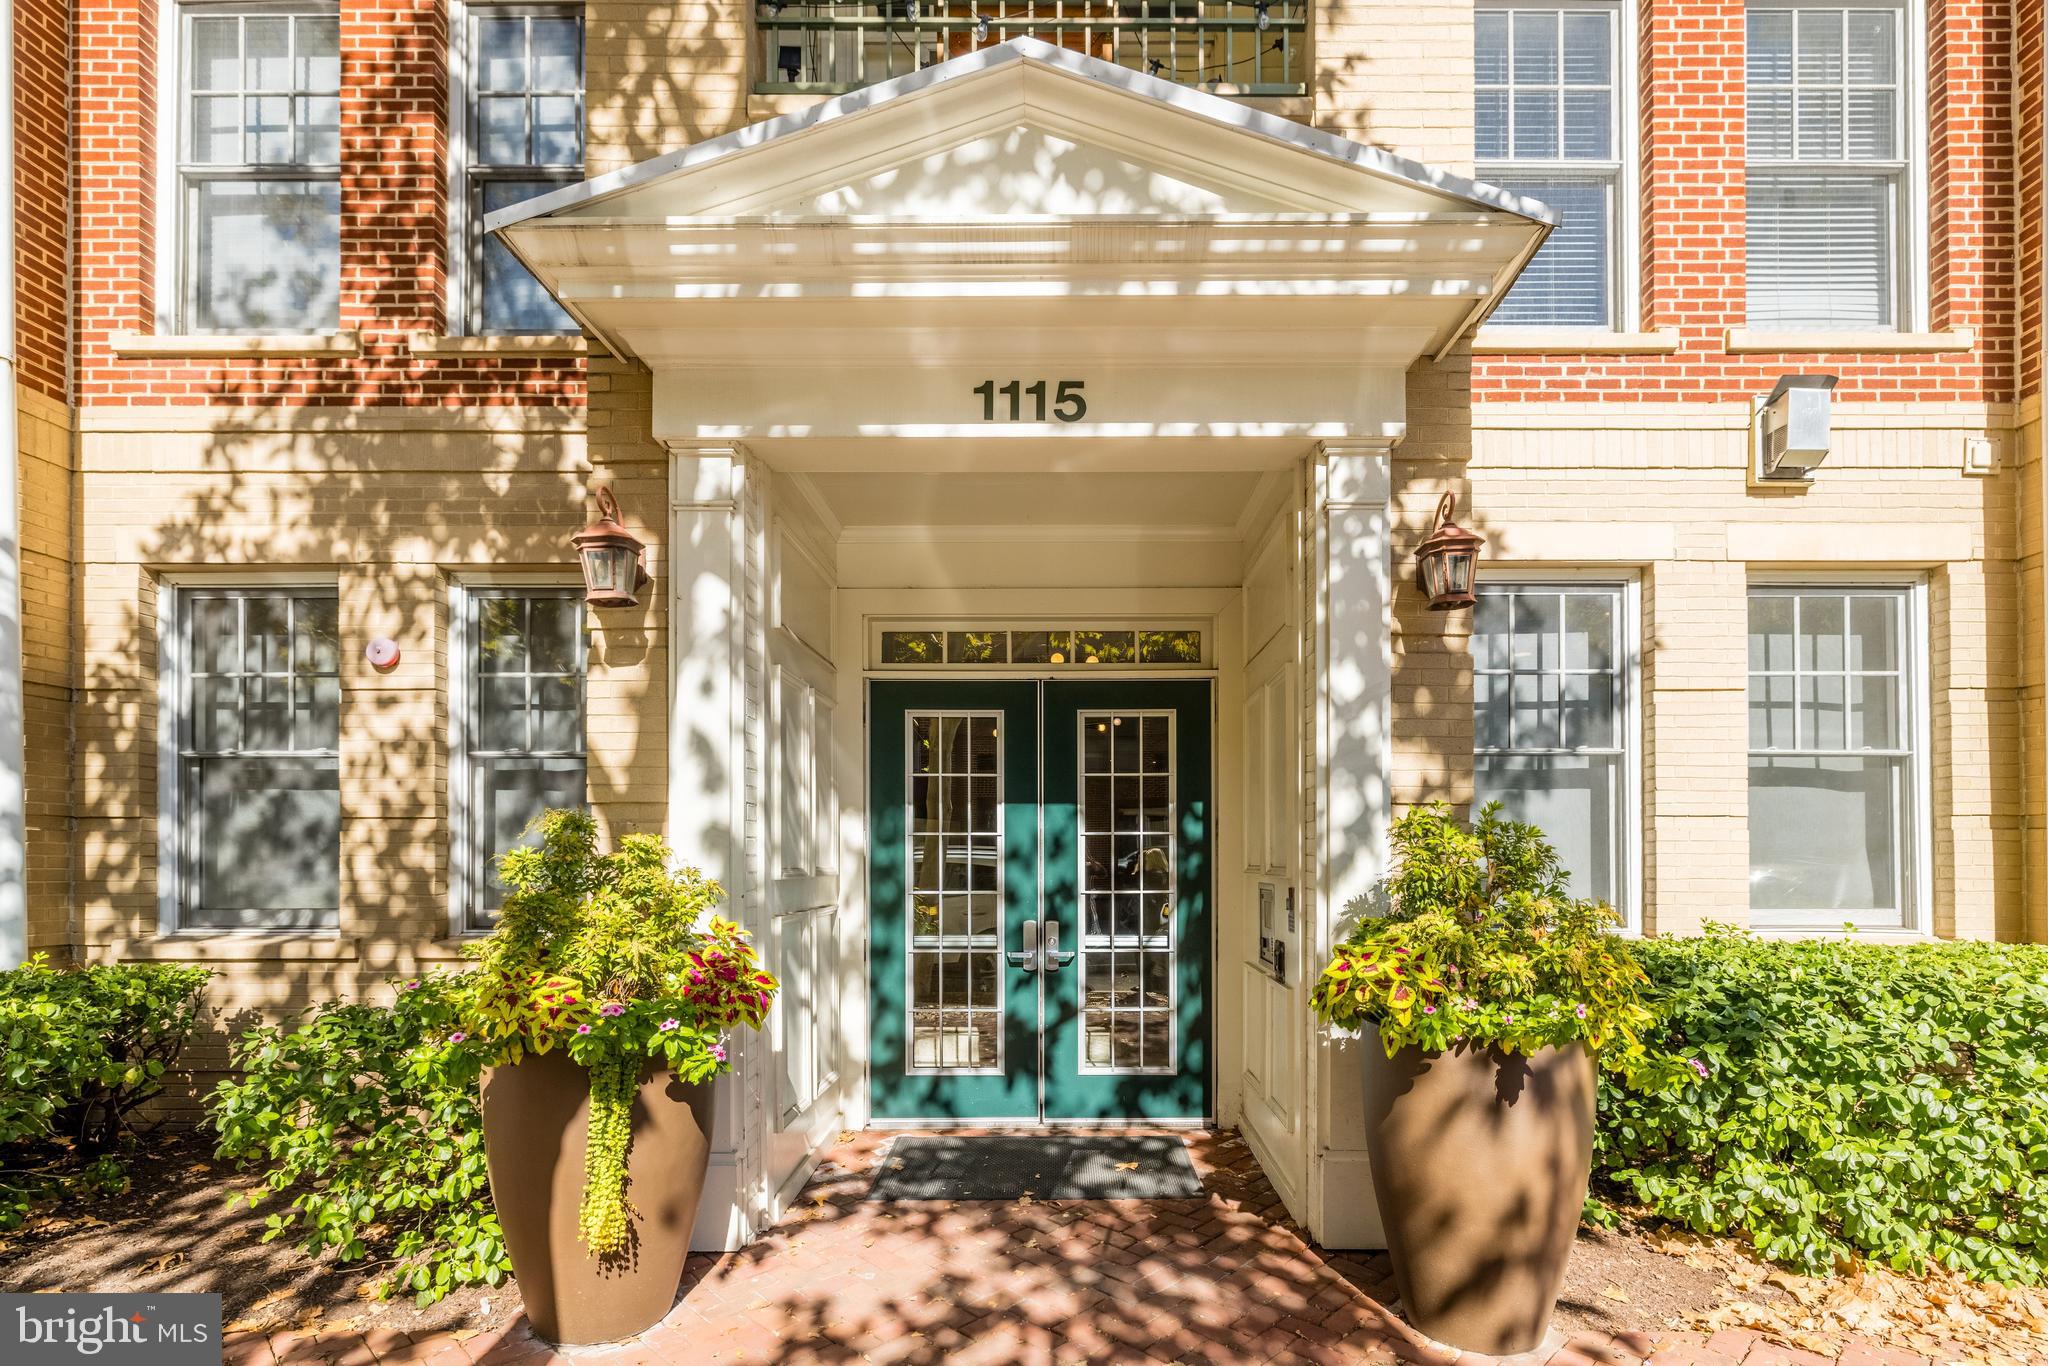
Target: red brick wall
(393, 230)
(42, 192)
(1692, 216)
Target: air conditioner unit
(1792, 433)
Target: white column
(1354, 667)
(13, 802)
(707, 765)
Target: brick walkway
(1224, 1279)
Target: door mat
(1042, 1166)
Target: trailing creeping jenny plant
(1480, 944)
(615, 959)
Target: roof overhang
(1026, 201)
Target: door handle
(1054, 959)
(1027, 957)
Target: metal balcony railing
(1233, 47)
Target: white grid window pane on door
(1129, 873)
(259, 169)
(1830, 753)
(525, 138)
(1549, 685)
(955, 907)
(1827, 165)
(525, 728)
(259, 762)
(1546, 93)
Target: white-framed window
(1837, 754)
(251, 794)
(1554, 724)
(1833, 186)
(1552, 101)
(517, 89)
(253, 218)
(518, 728)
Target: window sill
(1742, 340)
(227, 946)
(449, 948)
(1871, 935)
(545, 344)
(226, 346)
(1579, 341)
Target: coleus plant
(1478, 942)
(617, 960)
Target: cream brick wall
(1396, 74)
(1659, 491)
(660, 76)
(2030, 458)
(45, 468)
(390, 506)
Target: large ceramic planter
(1479, 1162)
(534, 1116)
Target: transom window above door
(1048, 647)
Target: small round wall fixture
(1447, 561)
(614, 570)
(382, 653)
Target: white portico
(1029, 348)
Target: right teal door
(1127, 890)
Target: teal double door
(1039, 900)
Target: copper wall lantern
(1447, 561)
(614, 567)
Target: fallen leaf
(167, 1261)
(1615, 1293)
(1127, 1166)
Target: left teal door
(953, 889)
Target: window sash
(1584, 793)
(198, 310)
(557, 771)
(1803, 838)
(1559, 288)
(212, 821)
(477, 176)
(1829, 220)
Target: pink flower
(583, 1029)
(1580, 1012)
(670, 1023)
(1509, 1019)
(457, 1037)
(718, 1051)
(1698, 1067)
(612, 1009)
(412, 986)
(1429, 1010)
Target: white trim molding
(1573, 341)
(1743, 340)
(231, 345)
(536, 344)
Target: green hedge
(364, 1123)
(80, 1050)
(1836, 1098)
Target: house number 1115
(1021, 402)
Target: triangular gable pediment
(1021, 129)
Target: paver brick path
(1223, 1279)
